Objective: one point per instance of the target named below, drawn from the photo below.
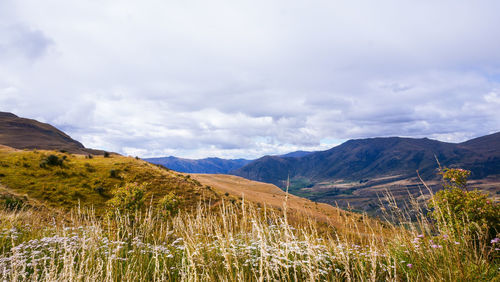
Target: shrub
(11, 202)
(457, 210)
(89, 167)
(106, 155)
(51, 160)
(128, 198)
(99, 189)
(113, 173)
(169, 204)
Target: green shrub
(128, 198)
(99, 189)
(89, 167)
(169, 204)
(113, 173)
(51, 160)
(458, 210)
(11, 202)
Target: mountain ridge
(23, 133)
(206, 165)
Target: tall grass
(238, 242)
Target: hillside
(346, 173)
(207, 165)
(23, 133)
(271, 196)
(84, 181)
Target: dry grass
(235, 242)
(214, 237)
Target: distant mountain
(296, 154)
(211, 165)
(23, 133)
(208, 165)
(361, 159)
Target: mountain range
(207, 165)
(394, 157)
(358, 173)
(211, 165)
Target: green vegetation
(129, 198)
(65, 181)
(457, 210)
(51, 160)
(169, 204)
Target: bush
(106, 155)
(51, 160)
(128, 198)
(113, 173)
(457, 210)
(169, 204)
(100, 190)
(12, 203)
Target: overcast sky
(248, 78)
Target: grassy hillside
(80, 180)
(264, 194)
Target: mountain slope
(357, 172)
(208, 165)
(23, 133)
(273, 197)
(357, 160)
(84, 181)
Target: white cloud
(248, 78)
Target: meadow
(235, 242)
(152, 224)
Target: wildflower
(409, 265)
(420, 236)
(494, 241)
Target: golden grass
(91, 181)
(236, 242)
(273, 197)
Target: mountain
(207, 165)
(296, 154)
(211, 165)
(376, 157)
(23, 133)
(352, 169)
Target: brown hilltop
(23, 133)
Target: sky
(243, 79)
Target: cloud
(22, 42)
(248, 78)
